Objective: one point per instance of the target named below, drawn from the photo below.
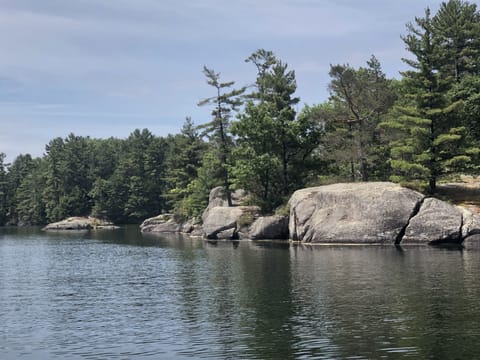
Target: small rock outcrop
(436, 221)
(223, 222)
(166, 223)
(376, 212)
(269, 227)
(218, 198)
(219, 220)
(80, 223)
(238, 221)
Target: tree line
(415, 130)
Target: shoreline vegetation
(421, 131)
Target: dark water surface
(118, 295)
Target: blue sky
(106, 67)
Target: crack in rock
(415, 211)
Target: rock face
(80, 223)
(345, 213)
(375, 213)
(166, 223)
(269, 227)
(218, 198)
(223, 222)
(238, 221)
(219, 220)
(436, 221)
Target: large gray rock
(219, 221)
(436, 221)
(375, 212)
(218, 198)
(470, 223)
(269, 227)
(166, 223)
(80, 223)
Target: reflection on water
(118, 294)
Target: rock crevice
(415, 211)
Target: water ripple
(122, 296)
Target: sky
(103, 68)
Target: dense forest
(416, 130)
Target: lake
(120, 295)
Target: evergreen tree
(360, 99)
(273, 144)
(18, 171)
(3, 191)
(430, 136)
(29, 203)
(198, 190)
(142, 171)
(468, 91)
(54, 188)
(456, 33)
(183, 159)
(218, 130)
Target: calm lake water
(121, 295)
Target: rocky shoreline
(347, 213)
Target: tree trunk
(432, 184)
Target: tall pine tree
(430, 136)
(225, 102)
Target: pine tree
(430, 136)
(183, 159)
(218, 130)
(274, 144)
(360, 99)
(455, 29)
(3, 191)
(29, 202)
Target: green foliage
(218, 130)
(198, 189)
(245, 220)
(467, 90)
(183, 159)
(136, 182)
(68, 179)
(274, 146)
(429, 124)
(3, 191)
(283, 210)
(30, 207)
(360, 99)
